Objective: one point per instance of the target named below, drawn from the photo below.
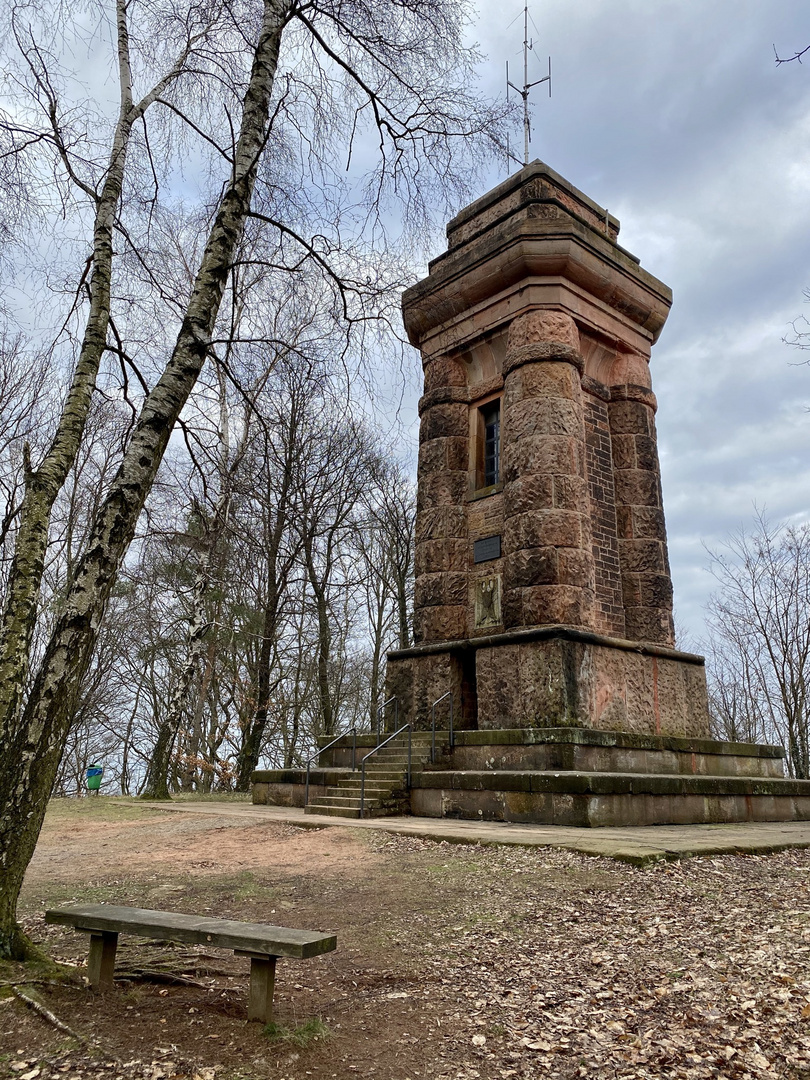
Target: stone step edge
(604, 783)
(626, 740)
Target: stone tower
(543, 593)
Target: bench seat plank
(223, 933)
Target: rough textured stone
(570, 493)
(543, 310)
(533, 493)
(630, 418)
(444, 421)
(543, 326)
(440, 623)
(441, 556)
(548, 380)
(441, 489)
(439, 523)
(643, 556)
(444, 371)
(531, 566)
(542, 416)
(543, 528)
(546, 454)
(566, 604)
(636, 487)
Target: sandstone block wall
(535, 309)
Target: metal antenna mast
(527, 86)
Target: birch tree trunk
(43, 484)
(30, 750)
(157, 776)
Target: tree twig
(60, 1025)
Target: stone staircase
(386, 791)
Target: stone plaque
(488, 601)
(486, 549)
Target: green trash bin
(94, 775)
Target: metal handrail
(353, 733)
(374, 751)
(381, 710)
(438, 701)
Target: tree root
(155, 975)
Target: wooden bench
(263, 944)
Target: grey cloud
(674, 115)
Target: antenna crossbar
(524, 91)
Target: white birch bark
(43, 484)
(30, 756)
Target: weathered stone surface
(575, 568)
(439, 455)
(542, 416)
(441, 489)
(649, 624)
(548, 454)
(577, 505)
(623, 449)
(548, 604)
(570, 493)
(643, 557)
(444, 421)
(646, 453)
(585, 775)
(531, 566)
(443, 395)
(630, 369)
(543, 528)
(485, 516)
(440, 623)
(648, 521)
(563, 750)
(630, 418)
(429, 590)
(642, 395)
(441, 556)
(439, 523)
(543, 326)
(637, 487)
(444, 371)
(561, 682)
(534, 492)
(549, 380)
(551, 352)
(420, 681)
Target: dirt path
(454, 961)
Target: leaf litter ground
(454, 961)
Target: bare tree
(386, 547)
(398, 70)
(759, 621)
(797, 55)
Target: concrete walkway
(634, 845)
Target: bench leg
(101, 961)
(262, 984)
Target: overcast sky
(674, 116)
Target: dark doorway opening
(463, 662)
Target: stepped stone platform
(542, 617)
(564, 776)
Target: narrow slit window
(491, 415)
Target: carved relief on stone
(488, 601)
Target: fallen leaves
(692, 970)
